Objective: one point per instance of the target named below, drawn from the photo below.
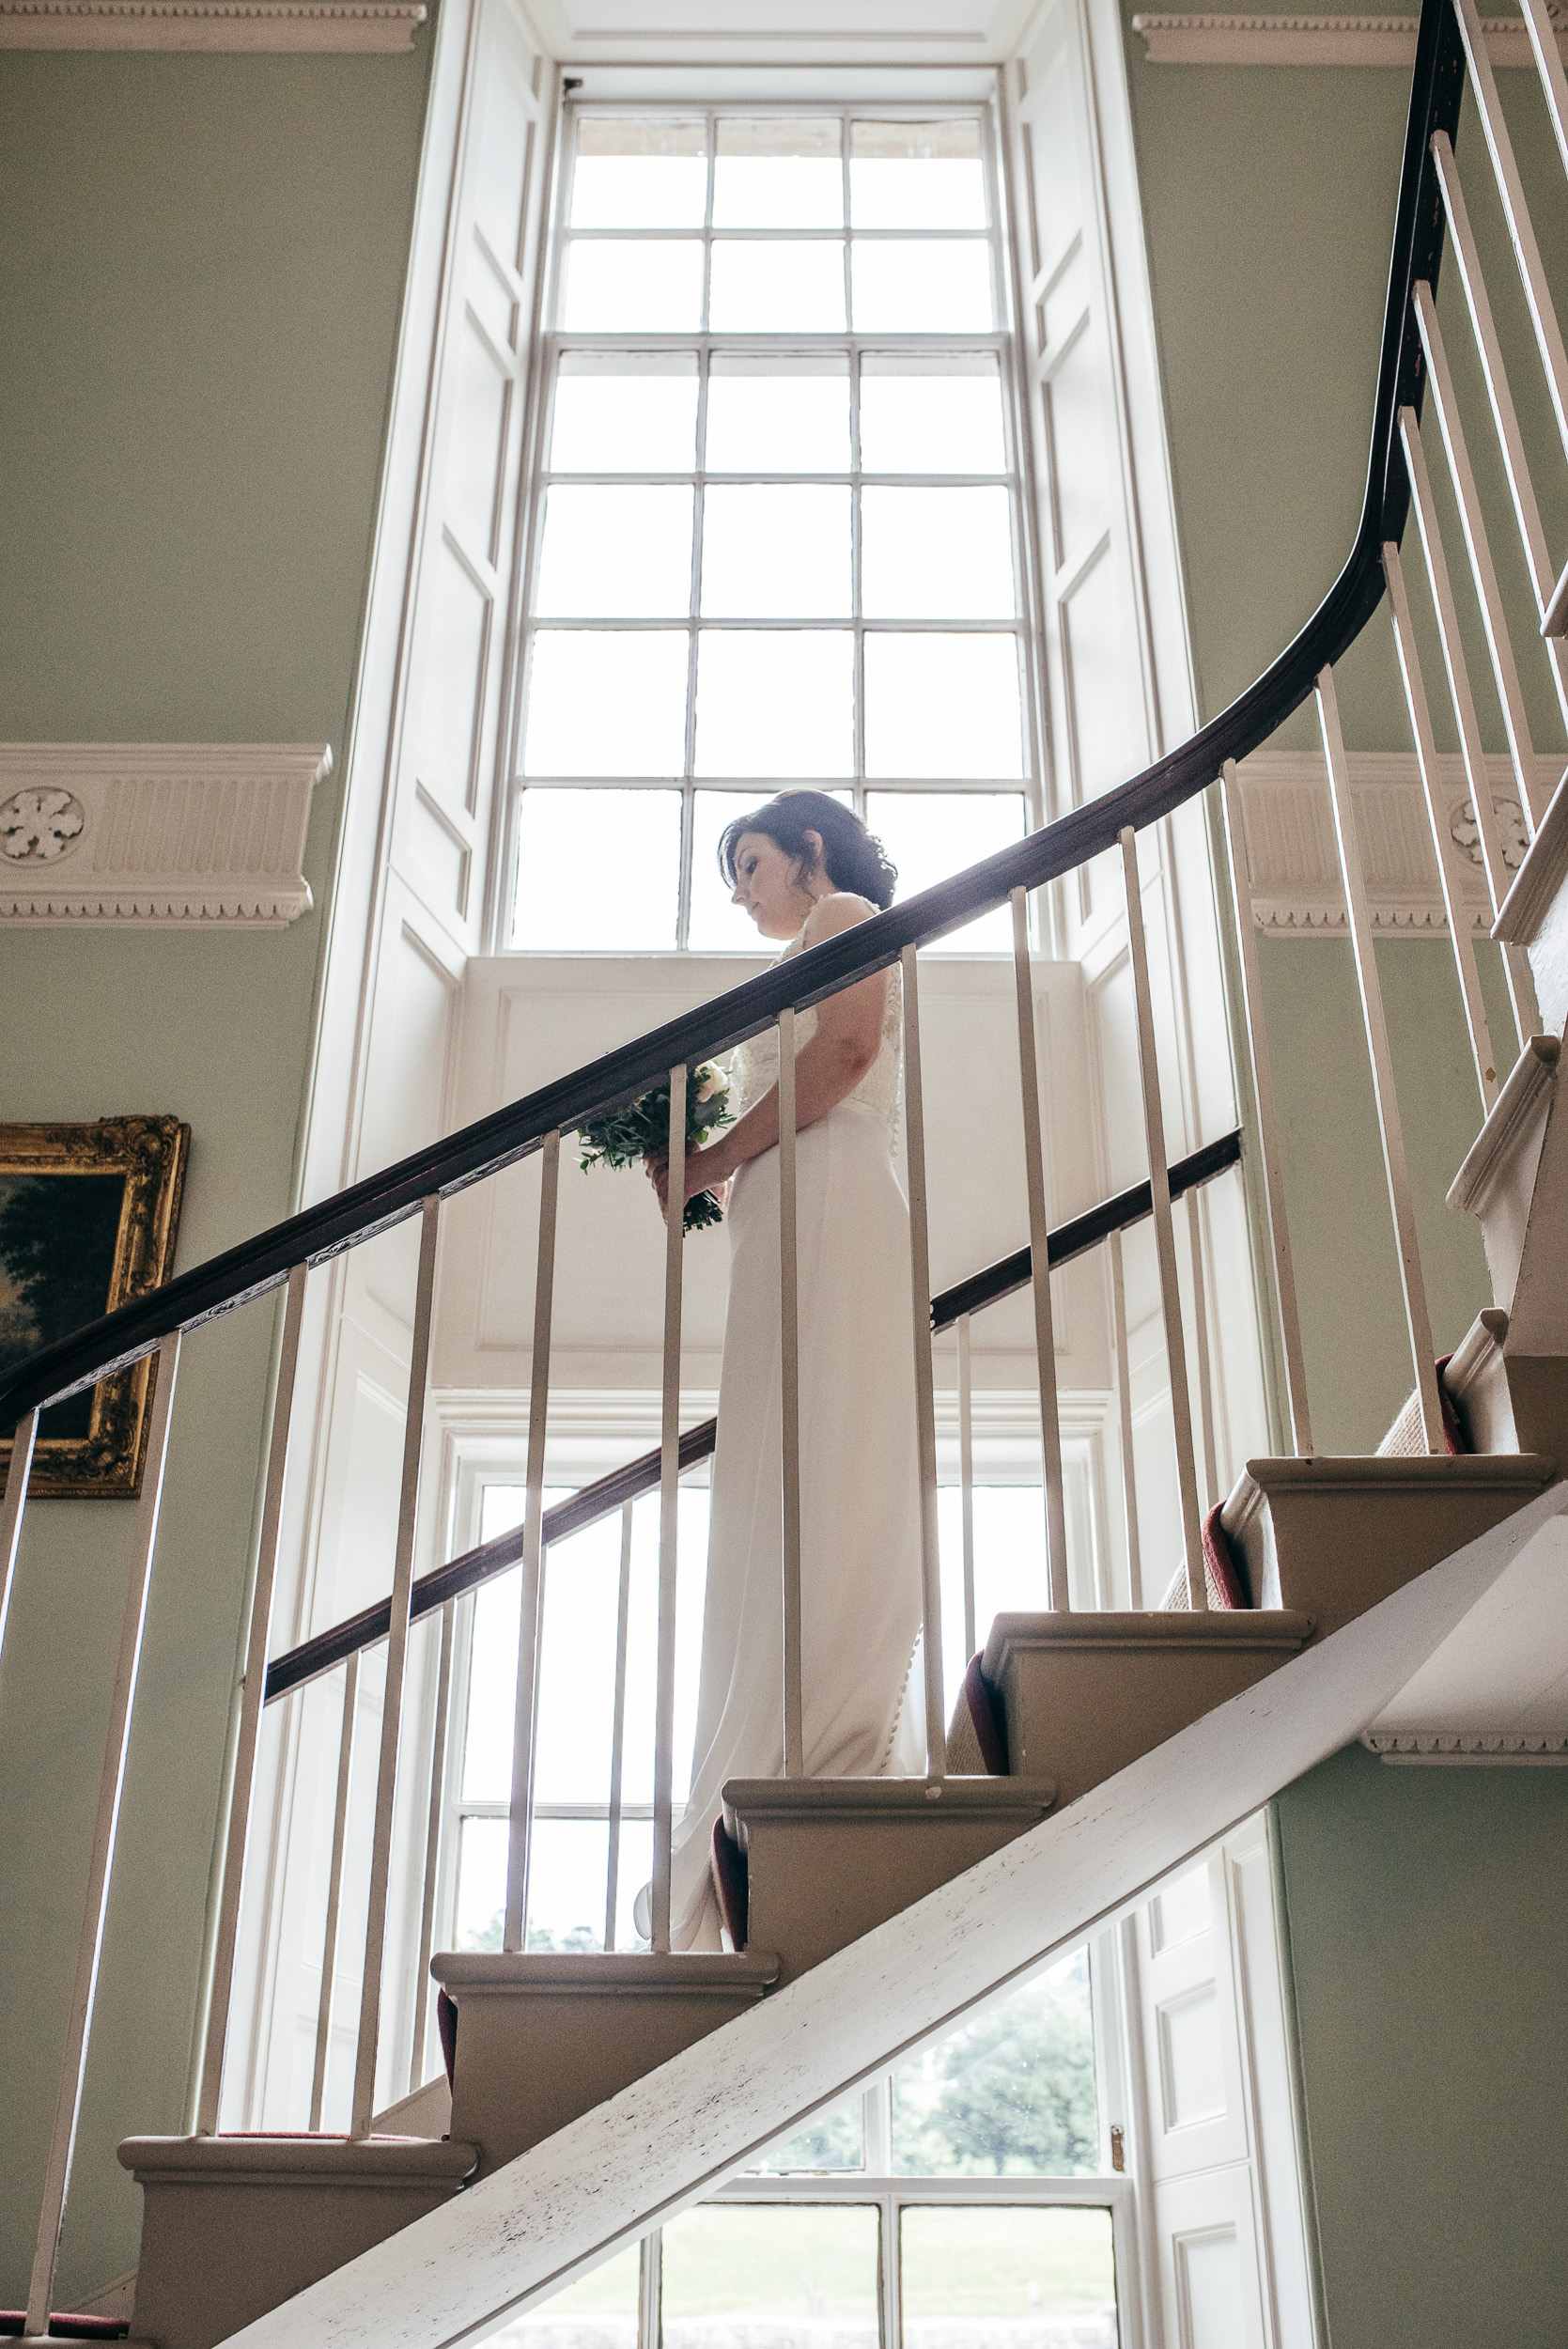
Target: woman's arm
(846, 1041)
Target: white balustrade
(1267, 1108)
(669, 1504)
(1039, 1259)
(966, 1476)
(1123, 1413)
(1401, 1198)
(530, 1604)
(331, 1931)
(1165, 1239)
(433, 1816)
(925, 1402)
(618, 1731)
(397, 1669)
(100, 1859)
(789, 1398)
(17, 1472)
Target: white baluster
(925, 1402)
(617, 1732)
(1165, 1238)
(100, 1862)
(1124, 1403)
(432, 1847)
(1401, 1199)
(1267, 1115)
(520, 1820)
(1483, 571)
(669, 1504)
(1521, 986)
(966, 1476)
(1039, 1257)
(1200, 1349)
(347, 1729)
(1510, 439)
(17, 1473)
(1548, 336)
(789, 1396)
(1449, 870)
(253, 1697)
(1548, 60)
(397, 1669)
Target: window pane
(649, 287)
(774, 703)
(643, 1639)
(481, 1910)
(916, 175)
(603, 703)
(577, 1671)
(943, 705)
(778, 416)
(835, 2141)
(776, 554)
(932, 834)
(715, 925)
(778, 174)
(619, 414)
(640, 175)
(622, 552)
(1010, 2096)
(597, 870)
(598, 2312)
(935, 554)
(912, 285)
(770, 2276)
(971, 2278)
(492, 1684)
(780, 287)
(567, 1864)
(931, 415)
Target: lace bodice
(755, 1065)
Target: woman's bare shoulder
(839, 912)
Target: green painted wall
(1269, 199)
(201, 275)
(1428, 1912)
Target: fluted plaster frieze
(161, 835)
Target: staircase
(591, 2095)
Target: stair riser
(817, 1885)
(1085, 1713)
(1334, 1551)
(218, 2253)
(529, 2062)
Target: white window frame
(555, 338)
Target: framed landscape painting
(88, 1215)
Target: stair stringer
(667, 2142)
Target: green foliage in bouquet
(641, 1129)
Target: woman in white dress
(804, 868)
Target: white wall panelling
(310, 25)
(156, 836)
(1387, 41)
(1288, 826)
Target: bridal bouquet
(641, 1129)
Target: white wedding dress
(859, 1490)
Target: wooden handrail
(492, 1142)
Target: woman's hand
(706, 1170)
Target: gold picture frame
(88, 1215)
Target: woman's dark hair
(854, 858)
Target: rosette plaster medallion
(156, 834)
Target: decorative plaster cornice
(319, 26)
(1292, 860)
(166, 834)
(1495, 1746)
(1219, 38)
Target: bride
(805, 868)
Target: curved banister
(511, 1133)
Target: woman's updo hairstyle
(854, 859)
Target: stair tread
(629, 1972)
(282, 2155)
(883, 1797)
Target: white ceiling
(757, 32)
